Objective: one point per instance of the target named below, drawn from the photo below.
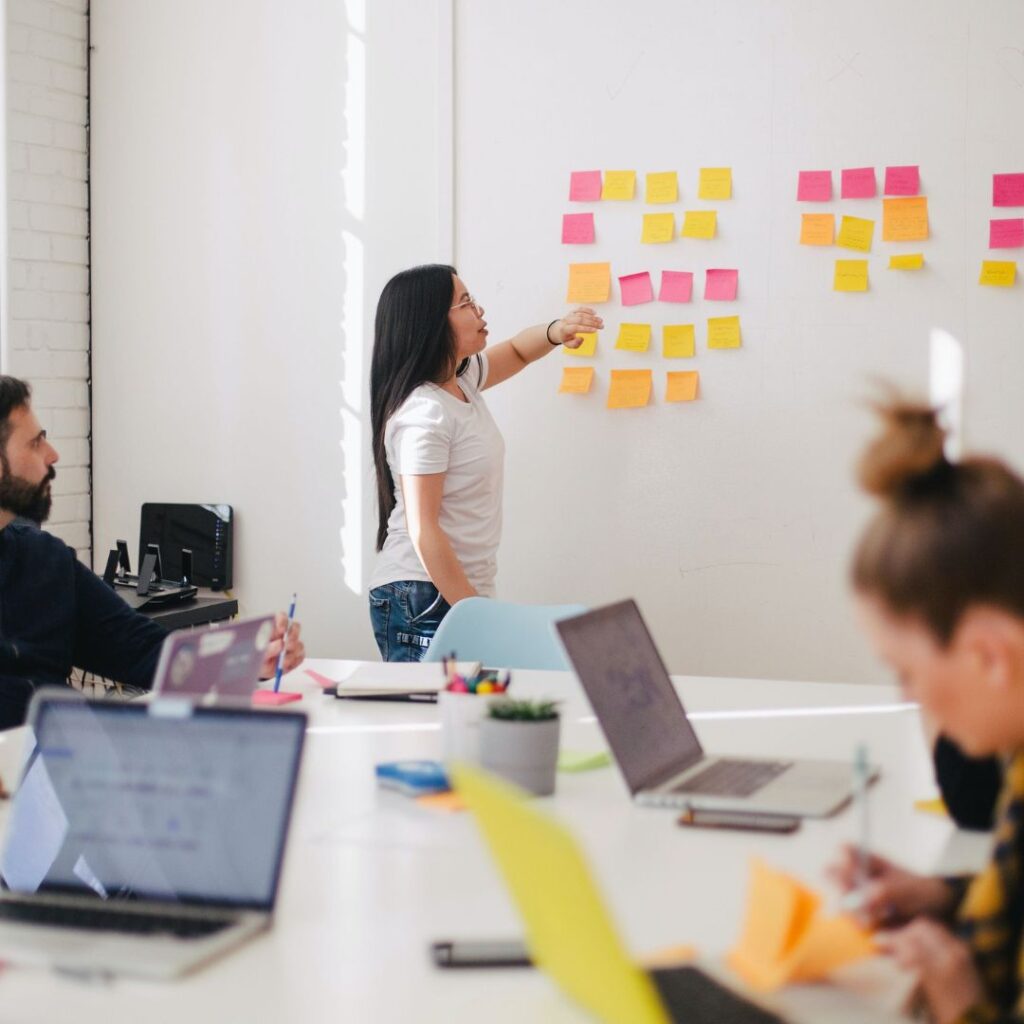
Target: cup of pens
(463, 703)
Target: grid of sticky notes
(1005, 231)
(680, 216)
(852, 227)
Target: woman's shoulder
(424, 406)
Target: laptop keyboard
(733, 778)
(96, 919)
(692, 996)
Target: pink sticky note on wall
(720, 285)
(577, 228)
(1008, 189)
(858, 183)
(585, 186)
(1006, 234)
(636, 288)
(676, 286)
(902, 181)
(814, 187)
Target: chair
(503, 635)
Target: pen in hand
(284, 641)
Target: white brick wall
(48, 240)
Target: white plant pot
(524, 753)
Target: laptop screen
(631, 693)
(160, 802)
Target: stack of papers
(397, 680)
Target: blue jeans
(405, 615)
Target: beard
(25, 499)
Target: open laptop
(139, 840)
(654, 743)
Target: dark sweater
(54, 614)
(969, 785)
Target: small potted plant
(519, 742)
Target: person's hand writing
(294, 648)
(580, 320)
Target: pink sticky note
(720, 285)
(1008, 189)
(1006, 234)
(577, 228)
(676, 286)
(585, 186)
(636, 288)
(902, 181)
(858, 183)
(814, 187)
(274, 698)
(320, 679)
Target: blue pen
(280, 655)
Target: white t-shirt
(434, 432)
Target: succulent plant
(509, 710)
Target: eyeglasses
(469, 302)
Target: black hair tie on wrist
(547, 333)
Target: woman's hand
(581, 320)
(294, 648)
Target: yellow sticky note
(905, 219)
(817, 229)
(576, 380)
(935, 805)
(634, 337)
(659, 227)
(998, 273)
(724, 332)
(851, 276)
(588, 346)
(715, 183)
(619, 185)
(856, 233)
(682, 385)
(589, 282)
(678, 341)
(629, 389)
(662, 187)
(700, 223)
(907, 261)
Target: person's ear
(990, 643)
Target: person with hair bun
(938, 577)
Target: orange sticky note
(905, 219)
(576, 380)
(724, 332)
(450, 801)
(629, 389)
(589, 282)
(678, 341)
(682, 385)
(587, 347)
(817, 229)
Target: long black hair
(412, 345)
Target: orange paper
(576, 380)
(905, 220)
(817, 229)
(589, 282)
(629, 389)
(682, 385)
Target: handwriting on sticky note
(681, 385)
(678, 341)
(720, 285)
(858, 183)
(817, 229)
(998, 273)
(589, 282)
(634, 337)
(814, 186)
(576, 380)
(629, 389)
(586, 348)
(700, 223)
(636, 288)
(856, 233)
(905, 220)
(902, 180)
(715, 183)
(676, 286)
(584, 186)
(658, 227)
(851, 276)
(1008, 189)
(662, 187)
(577, 228)
(619, 185)
(724, 332)
(1006, 234)
(907, 261)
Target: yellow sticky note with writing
(634, 337)
(905, 219)
(907, 261)
(629, 389)
(856, 233)
(715, 183)
(586, 348)
(851, 276)
(678, 341)
(662, 187)
(576, 380)
(682, 385)
(998, 273)
(619, 185)
(659, 227)
(817, 229)
(724, 332)
(700, 223)
(589, 282)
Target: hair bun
(908, 452)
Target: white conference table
(371, 877)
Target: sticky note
(934, 805)
(907, 261)
(851, 276)
(998, 273)
(589, 282)
(902, 180)
(577, 228)
(636, 288)
(1008, 189)
(678, 341)
(1006, 234)
(905, 220)
(584, 186)
(588, 346)
(619, 185)
(817, 229)
(576, 380)
(658, 227)
(662, 187)
(450, 802)
(858, 183)
(814, 187)
(582, 761)
(724, 332)
(721, 285)
(634, 337)
(629, 389)
(681, 385)
(715, 183)
(676, 286)
(856, 233)
(700, 223)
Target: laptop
(137, 842)
(654, 743)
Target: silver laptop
(137, 842)
(654, 743)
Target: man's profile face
(26, 462)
